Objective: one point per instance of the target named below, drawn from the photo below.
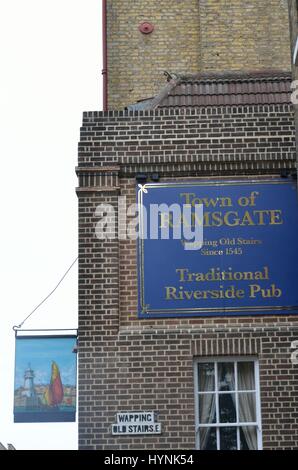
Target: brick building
(213, 381)
(190, 36)
(293, 22)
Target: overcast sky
(50, 73)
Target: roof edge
(268, 74)
(175, 79)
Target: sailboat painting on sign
(45, 379)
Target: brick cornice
(98, 179)
(210, 168)
(97, 169)
(101, 189)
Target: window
(227, 404)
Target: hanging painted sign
(242, 260)
(45, 379)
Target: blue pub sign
(246, 262)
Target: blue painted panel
(248, 264)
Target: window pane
(228, 439)
(207, 412)
(221, 404)
(246, 376)
(208, 439)
(226, 378)
(248, 438)
(227, 411)
(206, 377)
(247, 407)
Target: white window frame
(238, 425)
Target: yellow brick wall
(191, 36)
(244, 35)
(136, 61)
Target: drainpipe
(104, 55)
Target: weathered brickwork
(190, 36)
(129, 364)
(137, 61)
(237, 35)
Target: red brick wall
(127, 364)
